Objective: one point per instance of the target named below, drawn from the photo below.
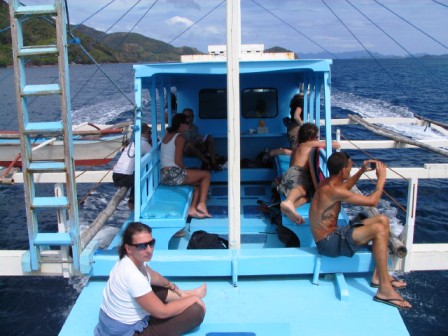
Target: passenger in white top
(140, 301)
(123, 174)
(174, 172)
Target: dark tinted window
(213, 104)
(259, 103)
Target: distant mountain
(123, 47)
(104, 48)
(363, 55)
(277, 49)
(132, 47)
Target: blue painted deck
(277, 304)
(269, 306)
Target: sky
(389, 27)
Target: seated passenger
(333, 240)
(123, 172)
(173, 170)
(140, 301)
(297, 184)
(202, 147)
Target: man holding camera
(334, 241)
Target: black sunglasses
(144, 246)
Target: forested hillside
(105, 48)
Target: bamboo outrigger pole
(389, 134)
(101, 219)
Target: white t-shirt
(125, 164)
(125, 283)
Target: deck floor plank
(269, 306)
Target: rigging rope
(138, 21)
(295, 29)
(420, 30)
(359, 41)
(92, 58)
(194, 24)
(437, 2)
(91, 16)
(396, 42)
(371, 180)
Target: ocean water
(38, 306)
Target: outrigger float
(257, 286)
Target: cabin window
(259, 103)
(213, 104)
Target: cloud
(179, 20)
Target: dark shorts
(340, 242)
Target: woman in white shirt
(123, 174)
(174, 172)
(139, 301)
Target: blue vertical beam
(137, 147)
(327, 106)
(66, 117)
(317, 89)
(306, 111)
(312, 98)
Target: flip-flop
(390, 302)
(374, 285)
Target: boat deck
(261, 305)
(268, 306)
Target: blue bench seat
(167, 211)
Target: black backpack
(204, 240)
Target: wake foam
(377, 108)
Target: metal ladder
(61, 247)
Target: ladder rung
(44, 127)
(38, 50)
(36, 10)
(41, 90)
(49, 203)
(46, 166)
(60, 238)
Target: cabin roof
(220, 68)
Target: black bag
(204, 240)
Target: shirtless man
(296, 184)
(333, 241)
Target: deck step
(35, 10)
(53, 127)
(41, 90)
(49, 203)
(46, 167)
(37, 50)
(59, 239)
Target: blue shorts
(340, 242)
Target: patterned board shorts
(173, 176)
(296, 176)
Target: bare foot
(394, 281)
(288, 209)
(201, 291)
(195, 214)
(202, 209)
